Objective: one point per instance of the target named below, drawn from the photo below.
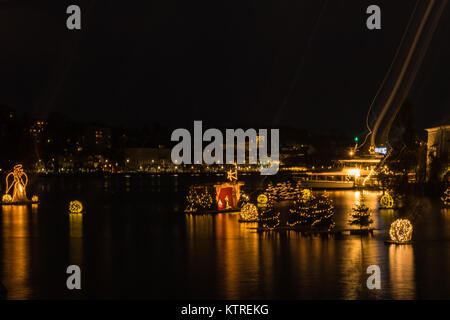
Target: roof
(444, 127)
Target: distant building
(140, 159)
(37, 129)
(438, 144)
(98, 139)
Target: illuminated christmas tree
(244, 199)
(316, 212)
(361, 215)
(199, 198)
(282, 191)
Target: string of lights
(360, 215)
(316, 212)
(199, 198)
(401, 231)
(446, 197)
(249, 212)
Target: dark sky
(223, 62)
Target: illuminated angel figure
(18, 183)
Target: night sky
(224, 62)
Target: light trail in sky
(393, 93)
(400, 45)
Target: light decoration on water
(244, 199)
(249, 212)
(446, 198)
(7, 198)
(360, 215)
(262, 199)
(317, 212)
(232, 175)
(75, 207)
(281, 191)
(386, 201)
(401, 231)
(275, 218)
(35, 198)
(306, 194)
(17, 184)
(199, 199)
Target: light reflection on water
(76, 238)
(16, 250)
(138, 249)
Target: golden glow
(402, 272)
(17, 184)
(262, 199)
(446, 197)
(232, 175)
(16, 250)
(7, 198)
(368, 177)
(354, 172)
(249, 212)
(306, 194)
(35, 198)
(386, 201)
(401, 231)
(75, 207)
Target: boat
(344, 179)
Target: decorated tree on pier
(199, 198)
(360, 215)
(316, 212)
(282, 191)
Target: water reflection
(237, 253)
(16, 251)
(247, 264)
(401, 271)
(210, 256)
(76, 238)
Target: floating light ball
(386, 201)
(401, 231)
(35, 198)
(249, 212)
(7, 198)
(75, 207)
(262, 199)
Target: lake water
(134, 242)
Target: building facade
(438, 145)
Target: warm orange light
(75, 207)
(17, 184)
